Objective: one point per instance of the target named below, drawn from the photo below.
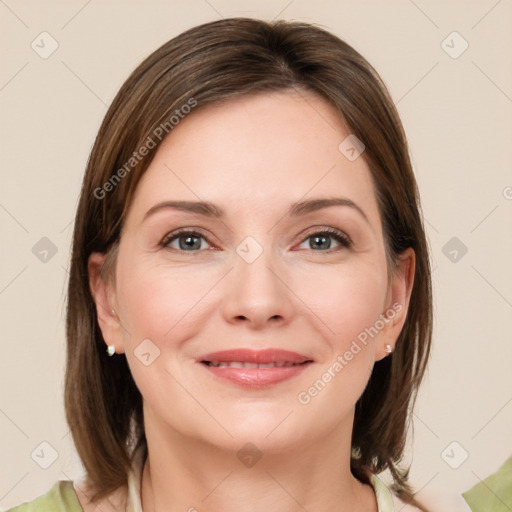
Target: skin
(254, 157)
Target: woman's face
(261, 275)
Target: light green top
(62, 498)
(494, 493)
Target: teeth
(240, 364)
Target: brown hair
(208, 64)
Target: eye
(188, 241)
(191, 241)
(322, 240)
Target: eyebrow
(298, 209)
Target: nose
(257, 293)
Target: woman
(249, 306)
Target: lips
(255, 368)
(241, 364)
(255, 357)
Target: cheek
(164, 305)
(160, 301)
(347, 300)
(169, 304)
(349, 303)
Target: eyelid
(331, 230)
(345, 240)
(188, 230)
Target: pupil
(319, 241)
(188, 244)
(323, 238)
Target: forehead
(257, 153)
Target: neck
(183, 474)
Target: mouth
(255, 368)
(245, 364)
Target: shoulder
(438, 501)
(60, 498)
(387, 500)
(402, 505)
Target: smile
(254, 368)
(244, 364)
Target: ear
(397, 302)
(104, 297)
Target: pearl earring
(111, 350)
(388, 349)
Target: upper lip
(269, 355)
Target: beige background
(457, 114)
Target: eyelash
(339, 236)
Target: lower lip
(256, 377)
